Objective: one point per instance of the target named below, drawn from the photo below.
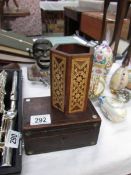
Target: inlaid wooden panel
(79, 78)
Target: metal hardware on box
(28, 100)
(94, 116)
(30, 152)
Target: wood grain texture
(66, 131)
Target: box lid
(42, 106)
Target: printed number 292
(40, 120)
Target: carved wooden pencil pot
(71, 66)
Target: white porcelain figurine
(102, 62)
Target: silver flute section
(9, 121)
(3, 79)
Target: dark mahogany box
(16, 167)
(66, 131)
